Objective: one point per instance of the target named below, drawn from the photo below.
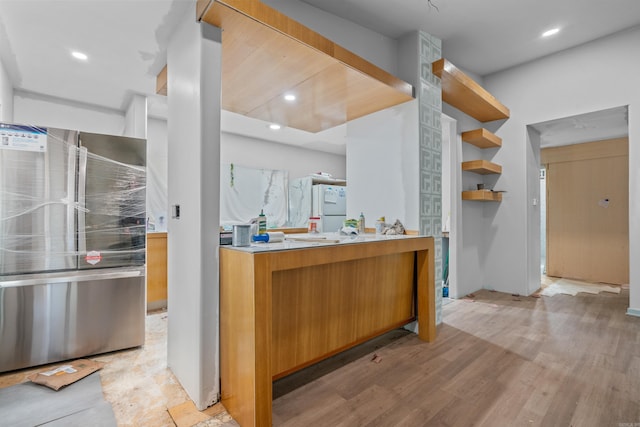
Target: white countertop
(331, 238)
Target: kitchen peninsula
(285, 306)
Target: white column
(6, 96)
(634, 208)
(194, 79)
(135, 123)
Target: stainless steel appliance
(72, 244)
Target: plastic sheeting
(244, 192)
(63, 206)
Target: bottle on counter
(361, 224)
(314, 224)
(262, 222)
(380, 225)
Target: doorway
(451, 205)
(588, 211)
(584, 209)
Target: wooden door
(588, 211)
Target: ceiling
(126, 43)
(596, 126)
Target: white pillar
(6, 96)
(135, 124)
(194, 80)
(634, 208)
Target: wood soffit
(266, 55)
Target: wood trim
(156, 270)
(589, 150)
(463, 93)
(481, 138)
(238, 336)
(330, 254)
(482, 167)
(201, 8)
(482, 196)
(426, 290)
(289, 230)
(161, 82)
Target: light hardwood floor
(499, 360)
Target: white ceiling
(596, 126)
(126, 43)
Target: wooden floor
(499, 360)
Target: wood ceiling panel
(266, 54)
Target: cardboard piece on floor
(186, 414)
(62, 375)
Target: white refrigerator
(330, 204)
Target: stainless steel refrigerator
(72, 244)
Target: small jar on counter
(314, 224)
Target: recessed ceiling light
(79, 55)
(551, 32)
(274, 126)
(290, 97)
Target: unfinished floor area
(499, 360)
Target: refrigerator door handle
(70, 234)
(82, 187)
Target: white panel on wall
(136, 117)
(246, 192)
(6, 96)
(262, 154)
(382, 166)
(42, 110)
(157, 164)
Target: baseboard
(633, 312)
(156, 305)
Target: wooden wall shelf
(482, 167)
(482, 196)
(482, 138)
(463, 93)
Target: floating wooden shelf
(463, 93)
(482, 138)
(482, 196)
(482, 167)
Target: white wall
(471, 221)
(382, 166)
(42, 110)
(194, 78)
(374, 47)
(135, 120)
(258, 153)
(6, 96)
(157, 165)
(595, 76)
